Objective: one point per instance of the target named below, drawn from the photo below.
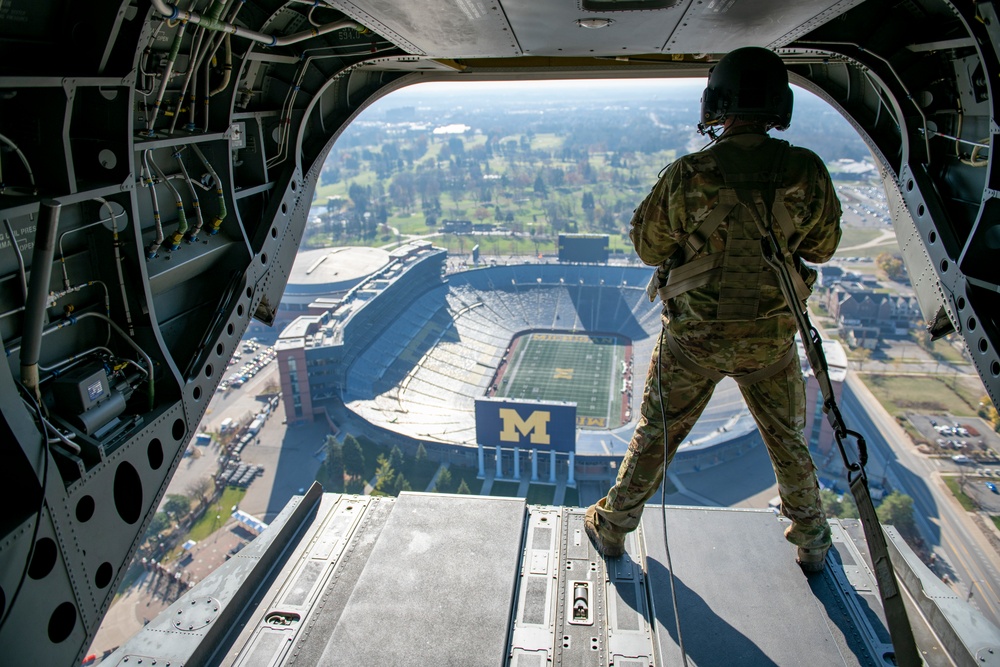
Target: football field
(580, 368)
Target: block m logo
(534, 426)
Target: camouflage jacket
(684, 197)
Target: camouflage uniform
(683, 197)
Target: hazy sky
(612, 90)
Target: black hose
(38, 290)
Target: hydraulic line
(227, 69)
(205, 89)
(215, 25)
(220, 215)
(182, 226)
(38, 289)
(192, 234)
(24, 161)
(147, 175)
(165, 79)
(192, 69)
(118, 262)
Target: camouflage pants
(778, 406)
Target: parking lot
(966, 441)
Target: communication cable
(663, 499)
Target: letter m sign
(514, 428)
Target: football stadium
(408, 352)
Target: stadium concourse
(408, 352)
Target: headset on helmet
(750, 83)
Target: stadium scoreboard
(528, 424)
(588, 248)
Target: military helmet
(750, 83)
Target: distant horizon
(556, 91)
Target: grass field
(504, 489)
(584, 369)
(208, 524)
(899, 394)
(965, 501)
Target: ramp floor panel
(438, 586)
(741, 598)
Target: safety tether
(892, 600)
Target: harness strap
(802, 291)
(700, 272)
(699, 235)
(744, 380)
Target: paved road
(958, 543)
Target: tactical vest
(750, 177)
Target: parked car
(992, 487)
(961, 458)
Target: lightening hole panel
(62, 622)
(43, 558)
(128, 492)
(154, 452)
(85, 507)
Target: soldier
(724, 314)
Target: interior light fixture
(594, 23)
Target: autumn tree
(891, 265)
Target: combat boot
(607, 544)
(812, 559)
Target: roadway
(962, 551)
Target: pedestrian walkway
(487, 483)
(434, 479)
(560, 494)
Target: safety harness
(758, 195)
(740, 270)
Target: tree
(384, 475)
(421, 454)
(444, 483)
(354, 458)
(177, 506)
(396, 459)
(897, 510)
(463, 489)
(539, 188)
(159, 524)
(333, 466)
(988, 412)
(399, 484)
(841, 507)
(202, 488)
(891, 265)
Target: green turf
(506, 489)
(579, 368)
(572, 498)
(208, 523)
(541, 494)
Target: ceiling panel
(439, 28)
(550, 28)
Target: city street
(962, 550)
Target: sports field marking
(579, 368)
